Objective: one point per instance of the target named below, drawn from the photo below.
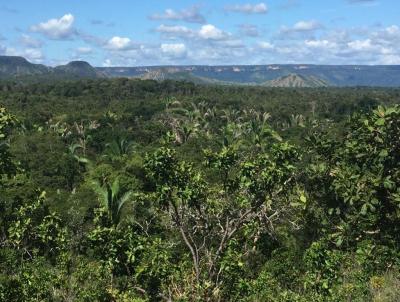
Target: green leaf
(364, 209)
(339, 241)
(384, 153)
(380, 122)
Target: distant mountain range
(19, 68)
(299, 75)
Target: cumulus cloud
(191, 15)
(361, 45)
(174, 50)
(84, 50)
(30, 42)
(175, 31)
(108, 63)
(306, 26)
(387, 35)
(301, 27)
(57, 29)
(344, 47)
(260, 8)
(391, 60)
(206, 32)
(322, 44)
(2, 50)
(119, 43)
(31, 54)
(210, 32)
(265, 45)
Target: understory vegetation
(132, 190)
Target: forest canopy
(137, 190)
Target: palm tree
(297, 120)
(112, 198)
(73, 151)
(119, 147)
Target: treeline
(130, 190)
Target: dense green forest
(137, 190)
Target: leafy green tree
(213, 218)
(7, 166)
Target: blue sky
(161, 32)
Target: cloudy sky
(161, 32)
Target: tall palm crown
(112, 198)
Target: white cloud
(393, 30)
(108, 63)
(232, 43)
(57, 29)
(390, 59)
(84, 50)
(35, 55)
(119, 43)
(174, 50)
(175, 30)
(301, 27)
(206, 32)
(265, 45)
(324, 44)
(260, 8)
(3, 50)
(191, 15)
(31, 54)
(210, 32)
(30, 42)
(361, 45)
(388, 35)
(306, 25)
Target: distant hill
(12, 67)
(77, 69)
(296, 75)
(296, 80)
(19, 68)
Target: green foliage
(6, 164)
(34, 230)
(171, 191)
(112, 198)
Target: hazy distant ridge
(267, 75)
(331, 75)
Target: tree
(118, 148)
(356, 183)
(112, 198)
(7, 166)
(213, 218)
